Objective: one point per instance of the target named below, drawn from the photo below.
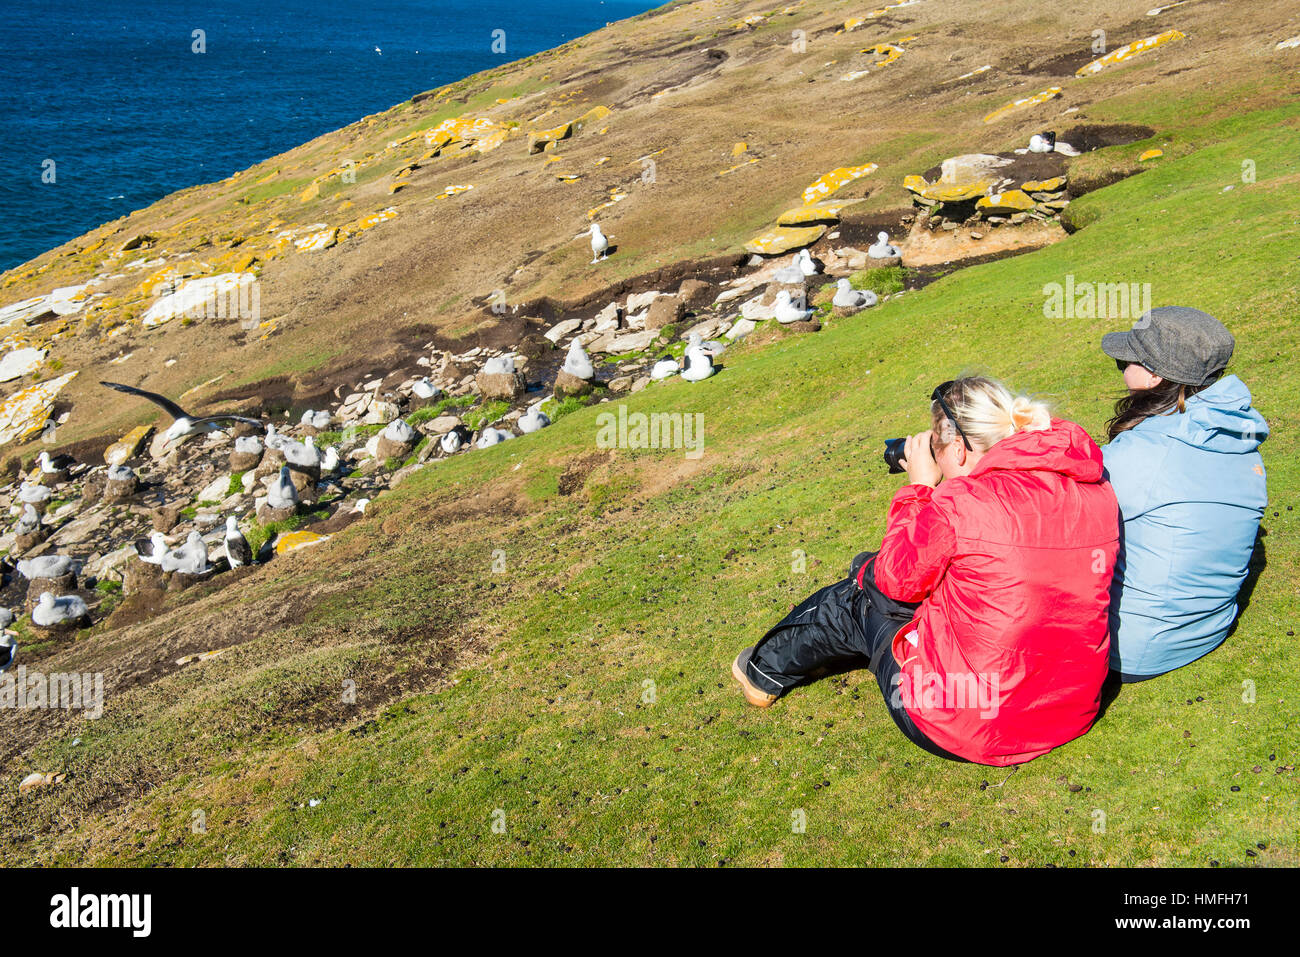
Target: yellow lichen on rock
(593, 115)
(915, 183)
(25, 413)
(732, 169)
(539, 140)
(467, 128)
(1044, 185)
(1123, 53)
(890, 51)
(783, 239)
(1023, 104)
(1013, 200)
(826, 185)
(827, 211)
(369, 221)
(616, 195)
(292, 541)
(485, 144)
(315, 242)
(454, 190)
(310, 193)
(128, 446)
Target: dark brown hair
(1136, 407)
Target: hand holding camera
(914, 455)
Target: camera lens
(894, 454)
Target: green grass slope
(575, 612)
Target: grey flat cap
(1175, 342)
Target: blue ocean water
(112, 92)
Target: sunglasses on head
(937, 396)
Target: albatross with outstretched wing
(185, 423)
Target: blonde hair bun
(988, 412)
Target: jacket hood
(1218, 419)
(1064, 448)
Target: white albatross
(699, 363)
(664, 369)
(846, 297)
(785, 310)
(152, 549)
(534, 420)
(184, 424)
(282, 493)
(455, 440)
(490, 437)
(881, 249)
(55, 611)
(238, 551)
(599, 244)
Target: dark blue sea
(112, 92)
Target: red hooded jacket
(1012, 564)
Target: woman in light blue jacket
(1183, 460)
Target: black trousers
(838, 627)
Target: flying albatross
(185, 423)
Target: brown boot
(753, 694)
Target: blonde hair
(987, 412)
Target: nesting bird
(55, 469)
(45, 566)
(302, 455)
(785, 310)
(534, 420)
(499, 365)
(664, 369)
(152, 549)
(400, 431)
(881, 248)
(1042, 142)
(191, 558)
(50, 611)
(455, 440)
(424, 389)
(29, 521)
(577, 363)
(249, 444)
(490, 437)
(319, 420)
(801, 267)
(8, 650)
(274, 439)
(34, 494)
(846, 297)
(238, 551)
(699, 363)
(281, 493)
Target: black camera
(894, 454)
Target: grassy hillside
(540, 633)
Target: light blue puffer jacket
(1191, 490)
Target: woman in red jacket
(984, 613)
